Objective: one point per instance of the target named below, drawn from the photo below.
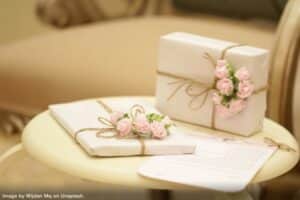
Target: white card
(217, 164)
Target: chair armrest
(283, 64)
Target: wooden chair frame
(283, 66)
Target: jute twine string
(110, 130)
(188, 84)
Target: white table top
(48, 142)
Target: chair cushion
(116, 58)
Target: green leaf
(167, 126)
(149, 117)
(154, 117)
(225, 100)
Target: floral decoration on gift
(233, 88)
(139, 124)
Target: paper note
(224, 165)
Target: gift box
(91, 124)
(212, 83)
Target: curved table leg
(160, 194)
(11, 151)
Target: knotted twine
(189, 83)
(103, 132)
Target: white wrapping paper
(78, 115)
(182, 54)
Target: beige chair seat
(116, 58)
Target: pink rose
(115, 116)
(124, 127)
(158, 130)
(221, 72)
(223, 111)
(141, 124)
(221, 63)
(245, 89)
(225, 86)
(242, 74)
(237, 106)
(217, 99)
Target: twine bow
(204, 88)
(110, 130)
(189, 84)
(135, 110)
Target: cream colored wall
(18, 21)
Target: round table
(45, 140)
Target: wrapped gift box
(186, 81)
(82, 115)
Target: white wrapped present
(212, 83)
(81, 120)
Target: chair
(284, 63)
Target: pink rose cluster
(233, 87)
(143, 125)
